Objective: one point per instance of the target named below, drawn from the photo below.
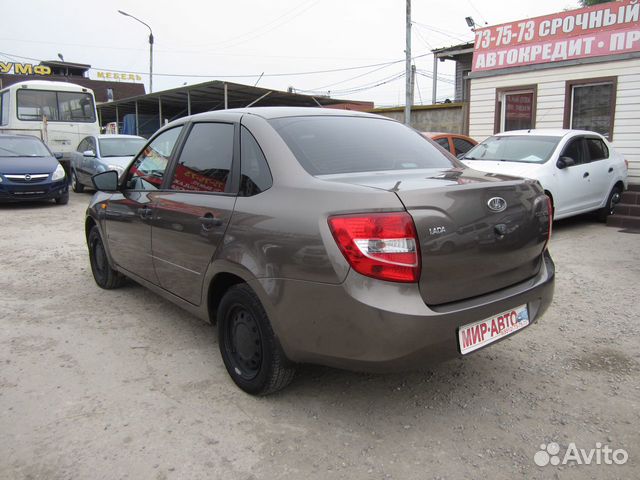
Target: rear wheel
(612, 200)
(105, 276)
(248, 345)
(75, 183)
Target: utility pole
(413, 84)
(407, 103)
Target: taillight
(379, 245)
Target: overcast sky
(217, 38)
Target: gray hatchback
(323, 236)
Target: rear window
(333, 145)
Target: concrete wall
(446, 117)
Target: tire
(76, 186)
(105, 276)
(250, 352)
(612, 200)
(63, 199)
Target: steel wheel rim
(99, 258)
(243, 342)
(74, 181)
(615, 198)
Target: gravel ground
(123, 384)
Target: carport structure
(169, 105)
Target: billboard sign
(606, 29)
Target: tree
(588, 3)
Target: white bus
(59, 113)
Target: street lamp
(150, 47)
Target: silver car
(101, 153)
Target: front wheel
(63, 199)
(105, 276)
(248, 346)
(76, 186)
(612, 200)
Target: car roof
(547, 132)
(269, 113)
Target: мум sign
(606, 29)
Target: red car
(456, 143)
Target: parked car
(306, 235)
(456, 143)
(579, 170)
(100, 153)
(30, 171)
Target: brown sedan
(311, 235)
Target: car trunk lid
(478, 232)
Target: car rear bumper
(20, 192)
(369, 325)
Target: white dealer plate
(478, 334)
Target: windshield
(333, 145)
(22, 147)
(33, 105)
(120, 147)
(515, 148)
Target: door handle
(208, 221)
(610, 169)
(586, 174)
(145, 213)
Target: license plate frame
(476, 335)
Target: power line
(478, 12)
(198, 52)
(250, 34)
(440, 31)
(292, 74)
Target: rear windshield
(332, 145)
(515, 148)
(120, 147)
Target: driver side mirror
(89, 153)
(106, 181)
(564, 162)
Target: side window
(82, 147)
(147, 171)
(574, 150)
(255, 176)
(460, 145)
(4, 109)
(443, 142)
(597, 149)
(205, 161)
(91, 144)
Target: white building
(576, 69)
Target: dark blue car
(29, 171)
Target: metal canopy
(204, 97)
